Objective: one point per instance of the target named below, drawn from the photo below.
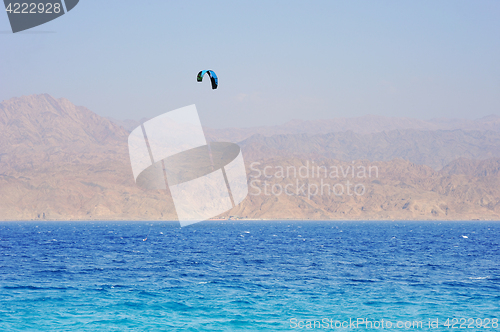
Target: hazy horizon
(431, 119)
(275, 61)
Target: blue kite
(212, 75)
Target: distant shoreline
(250, 219)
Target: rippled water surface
(248, 276)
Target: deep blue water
(248, 276)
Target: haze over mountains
(434, 143)
(367, 124)
(432, 148)
(61, 161)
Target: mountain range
(59, 161)
(367, 124)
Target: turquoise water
(248, 276)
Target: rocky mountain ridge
(59, 161)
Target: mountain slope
(433, 148)
(368, 124)
(59, 162)
(400, 190)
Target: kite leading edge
(212, 75)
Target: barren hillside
(59, 161)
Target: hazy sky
(276, 60)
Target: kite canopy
(211, 74)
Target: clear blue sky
(276, 60)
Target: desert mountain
(127, 124)
(434, 143)
(40, 130)
(394, 189)
(368, 124)
(432, 148)
(59, 161)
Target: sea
(250, 276)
